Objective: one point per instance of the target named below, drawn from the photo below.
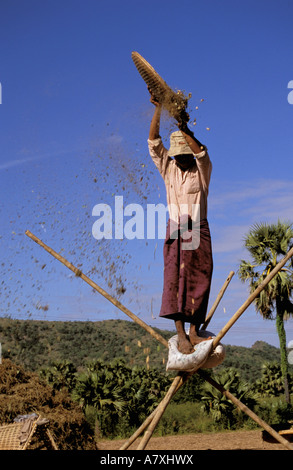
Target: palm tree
(61, 374)
(97, 391)
(266, 245)
(121, 397)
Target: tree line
(116, 398)
(119, 397)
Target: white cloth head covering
(178, 145)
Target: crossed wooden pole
(151, 422)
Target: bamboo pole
(49, 434)
(217, 301)
(148, 420)
(139, 431)
(95, 286)
(246, 410)
(252, 297)
(145, 424)
(177, 382)
(226, 393)
(180, 378)
(217, 339)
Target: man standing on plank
(188, 265)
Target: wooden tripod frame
(181, 378)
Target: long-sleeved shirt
(186, 189)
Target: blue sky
(74, 121)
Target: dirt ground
(234, 440)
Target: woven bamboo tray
(174, 102)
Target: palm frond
(266, 243)
(247, 271)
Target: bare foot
(197, 339)
(184, 345)
(194, 338)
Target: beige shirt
(187, 191)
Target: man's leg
(193, 335)
(184, 345)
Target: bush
(276, 412)
(223, 411)
(184, 418)
(23, 393)
(122, 397)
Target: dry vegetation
(23, 392)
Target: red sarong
(187, 276)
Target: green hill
(36, 344)
(248, 361)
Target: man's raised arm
(155, 122)
(195, 145)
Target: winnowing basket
(173, 102)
